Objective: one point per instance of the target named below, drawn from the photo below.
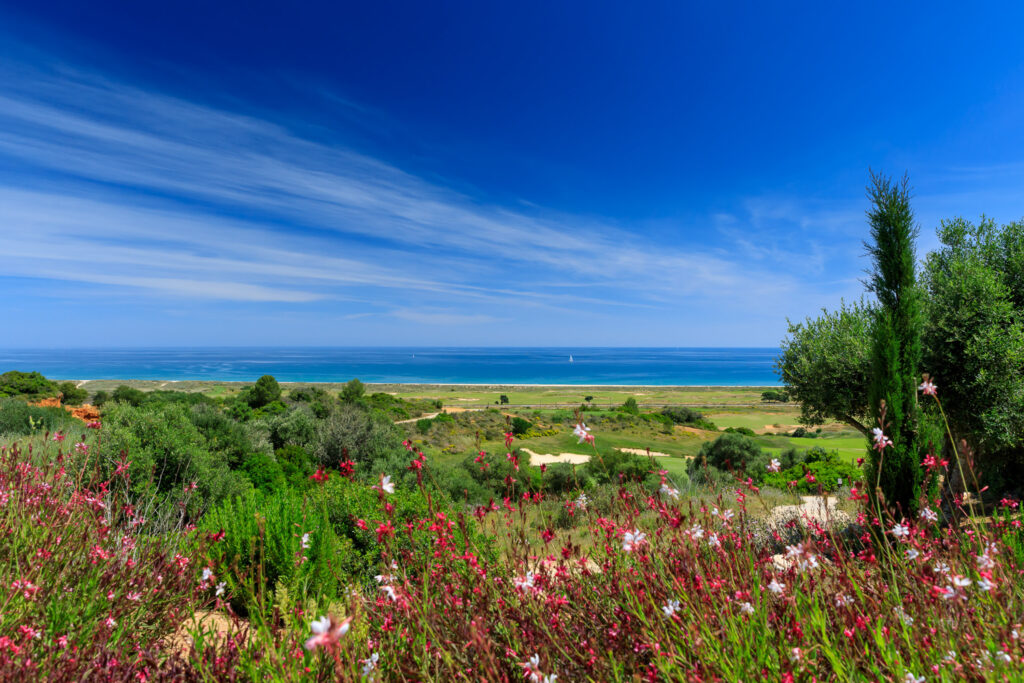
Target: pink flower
(81, 448)
(881, 440)
(95, 424)
(633, 540)
(57, 436)
(774, 465)
(927, 387)
(326, 632)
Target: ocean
(575, 366)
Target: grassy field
(487, 395)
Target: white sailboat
(570, 359)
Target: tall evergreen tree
(896, 348)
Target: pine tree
(896, 351)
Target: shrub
(352, 392)
(297, 428)
(630, 407)
(31, 385)
(265, 391)
(264, 472)
(17, 418)
(129, 395)
(73, 395)
(222, 435)
(682, 415)
(745, 431)
(166, 453)
(730, 451)
(297, 464)
(503, 399)
(99, 398)
(520, 426)
(355, 433)
(423, 426)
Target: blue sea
(588, 366)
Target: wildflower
(776, 587)
(95, 424)
(746, 608)
(928, 515)
(524, 582)
(881, 440)
(58, 437)
(774, 465)
(900, 531)
(670, 608)
(81, 448)
(320, 476)
(985, 585)
(794, 654)
(134, 596)
(531, 670)
(207, 574)
(670, 492)
(220, 588)
(912, 553)
(370, 664)
(633, 540)
(713, 541)
(985, 561)
(305, 541)
(961, 581)
(386, 485)
(940, 568)
(727, 516)
(695, 532)
(582, 501)
(911, 678)
(904, 617)
(950, 657)
(583, 432)
(1003, 657)
(110, 622)
(326, 632)
(927, 387)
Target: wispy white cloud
(115, 185)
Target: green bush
(297, 464)
(352, 392)
(99, 398)
(263, 547)
(827, 476)
(745, 431)
(355, 433)
(730, 451)
(17, 418)
(682, 415)
(264, 472)
(297, 428)
(31, 385)
(265, 391)
(167, 452)
(222, 435)
(73, 396)
(127, 394)
(630, 407)
(520, 426)
(423, 425)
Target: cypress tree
(896, 349)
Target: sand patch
(217, 624)
(644, 451)
(551, 459)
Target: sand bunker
(643, 451)
(550, 459)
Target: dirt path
(551, 459)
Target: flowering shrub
(83, 596)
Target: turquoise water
(596, 366)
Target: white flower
(305, 541)
(795, 550)
(670, 492)
(950, 657)
(633, 540)
(928, 515)
(985, 584)
(582, 431)
(727, 516)
(695, 532)
(524, 582)
(961, 581)
(985, 562)
(912, 553)
(207, 574)
(941, 568)
(776, 587)
(1005, 658)
(713, 541)
(321, 625)
(550, 678)
(794, 654)
(220, 588)
(911, 678)
(904, 617)
(746, 608)
(582, 501)
(386, 485)
(900, 531)
(670, 608)
(390, 591)
(384, 578)
(369, 664)
(774, 465)
(843, 600)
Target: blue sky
(630, 174)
